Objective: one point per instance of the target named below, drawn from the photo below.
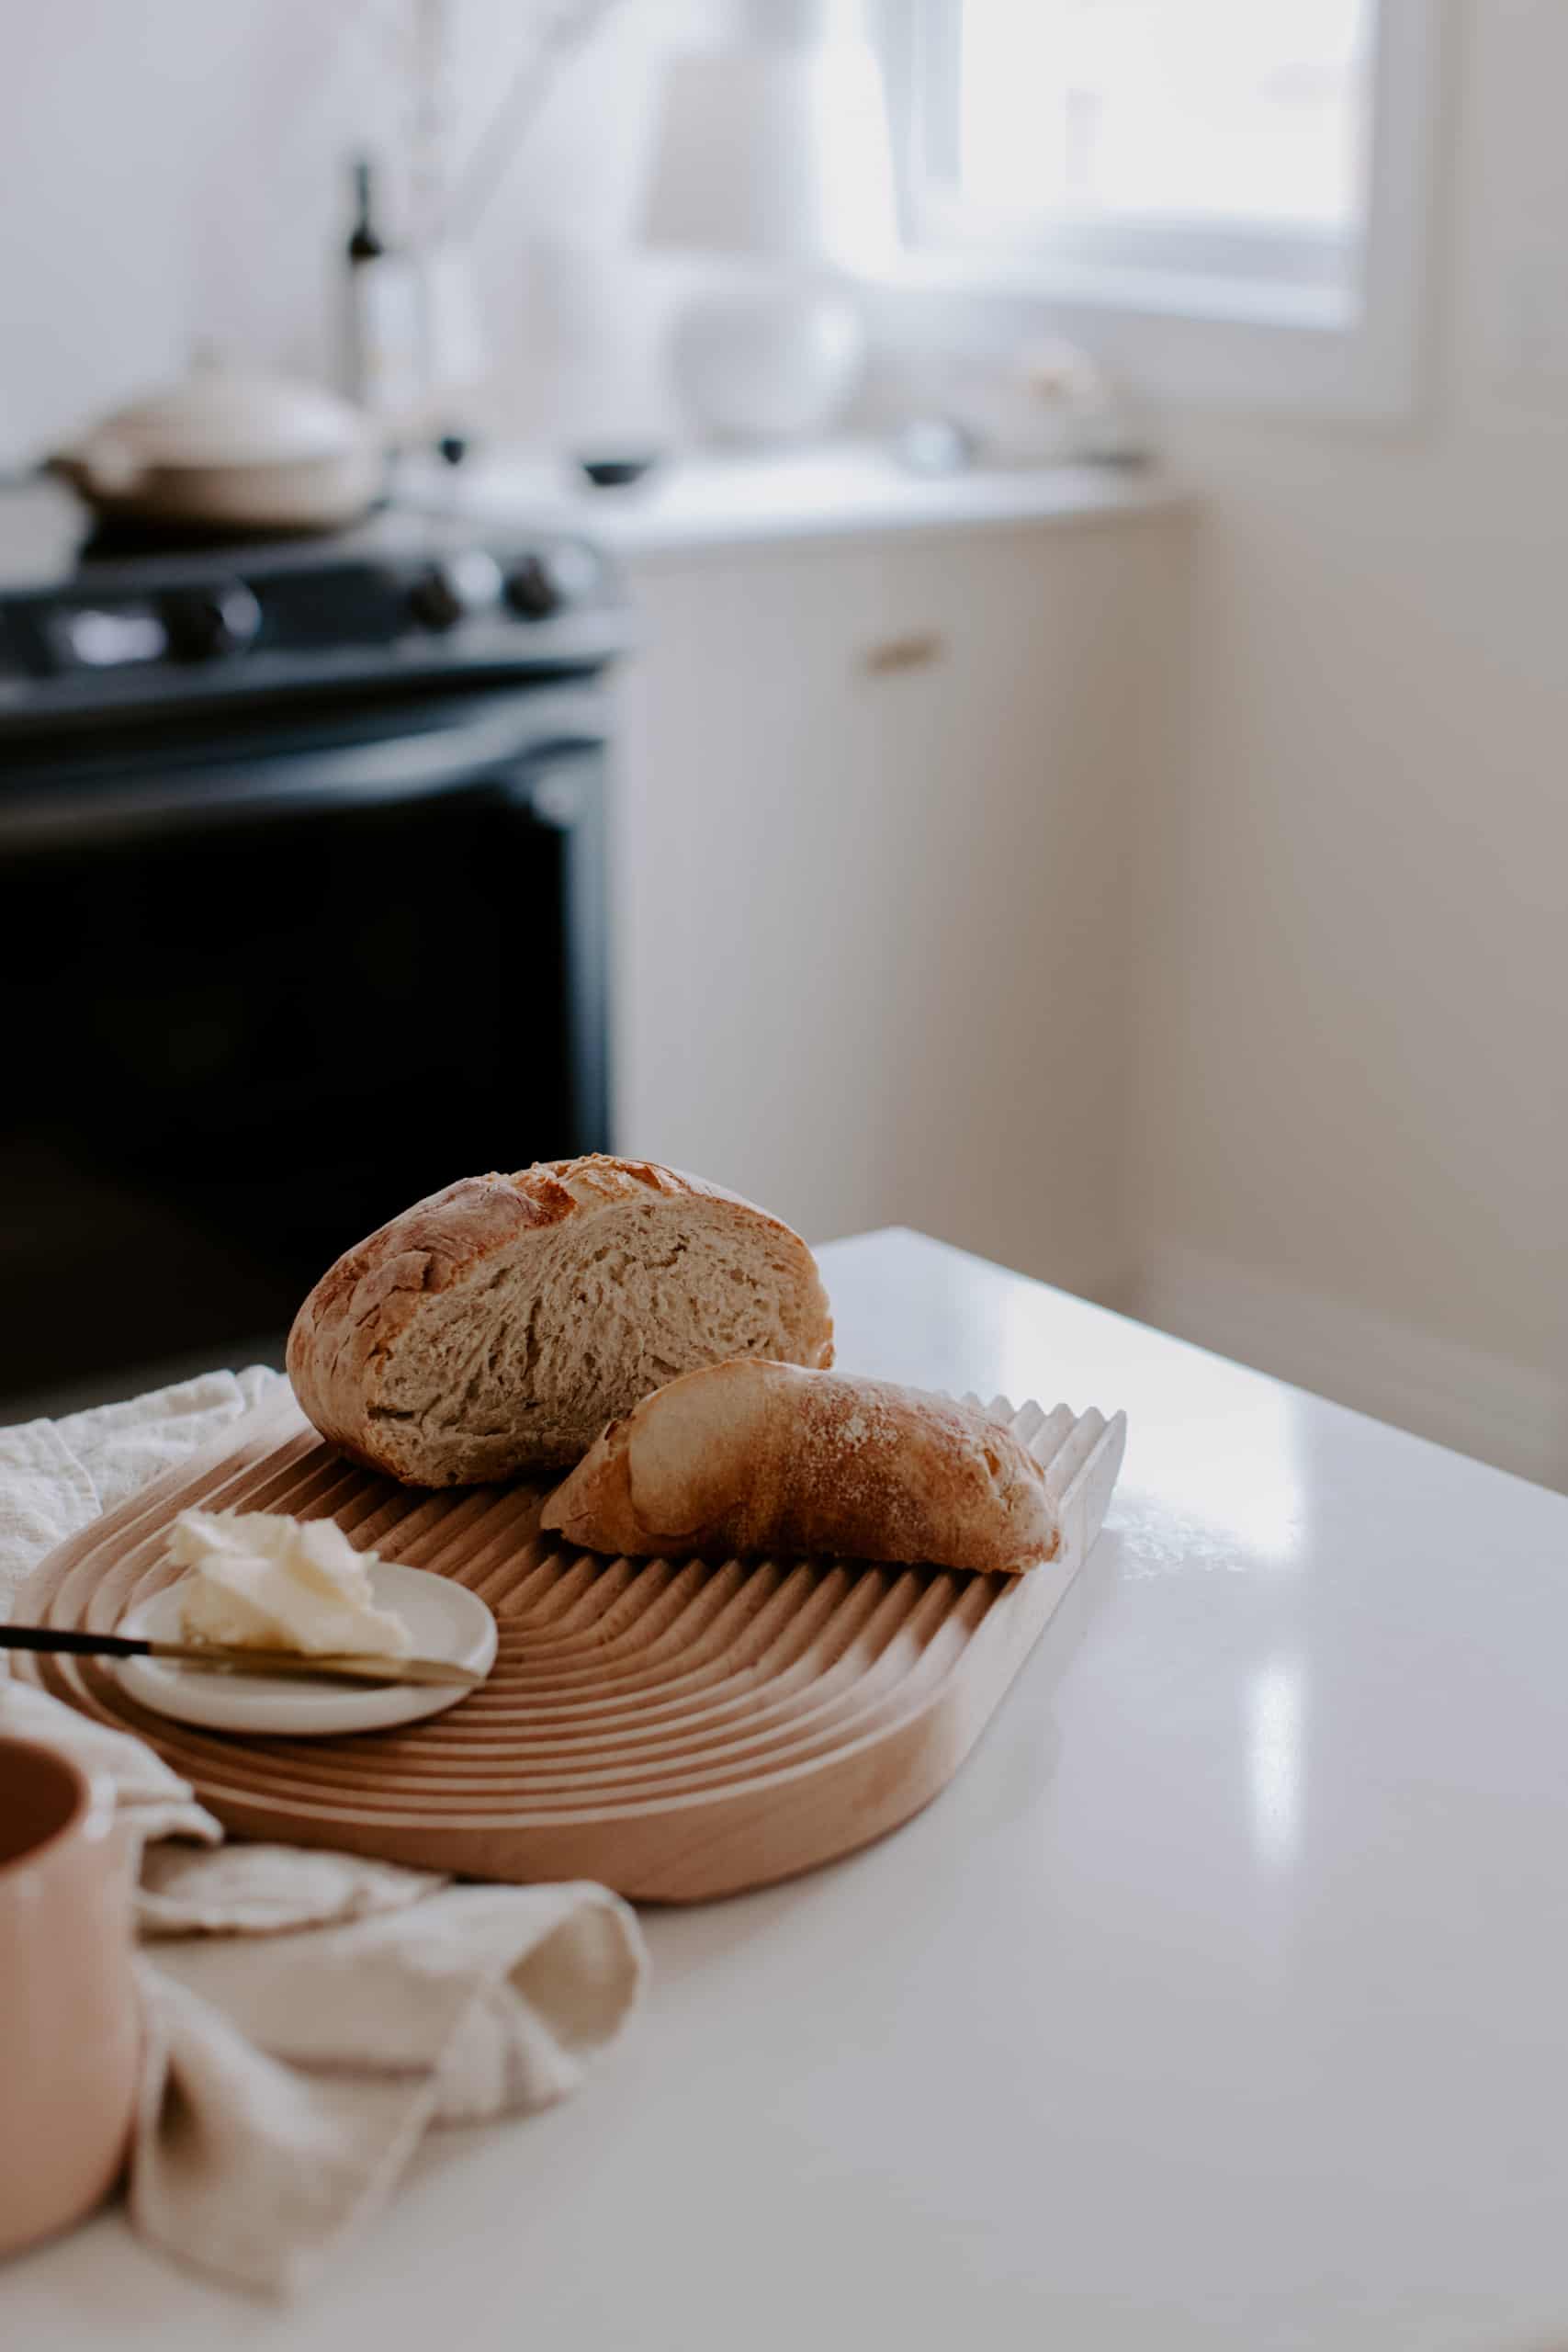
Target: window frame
(1265, 315)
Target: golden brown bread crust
(347, 1331)
(751, 1456)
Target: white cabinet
(877, 804)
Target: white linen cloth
(306, 2015)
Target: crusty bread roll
(499, 1325)
(763, 1457)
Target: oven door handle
(416, 766)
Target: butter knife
(216, 1658)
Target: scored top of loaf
(440, 1239)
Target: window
(1251, 162)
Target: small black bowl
(617, 473)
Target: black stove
(94, 622)
(302, 909)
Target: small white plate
(446, 1621)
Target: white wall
(1355, 1101)
(176, 171)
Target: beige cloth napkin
(308, 2015)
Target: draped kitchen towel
(306, 2015)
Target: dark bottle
(363, 245)
(382, 319)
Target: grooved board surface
(674, 1728)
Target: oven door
(258, 1000)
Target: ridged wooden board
(672, 1728)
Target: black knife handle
(54, 1637)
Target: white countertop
(699, 504)
(1220, 2003)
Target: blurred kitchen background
(1047, 726)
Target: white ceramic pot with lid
(232, 450)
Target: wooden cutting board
(672, 1728)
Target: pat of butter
(261, 1582)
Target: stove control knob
(203, 623)
(533, 589)
(548, 581)
(446, 592)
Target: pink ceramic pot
(68, 2037)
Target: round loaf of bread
(496, 1327)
